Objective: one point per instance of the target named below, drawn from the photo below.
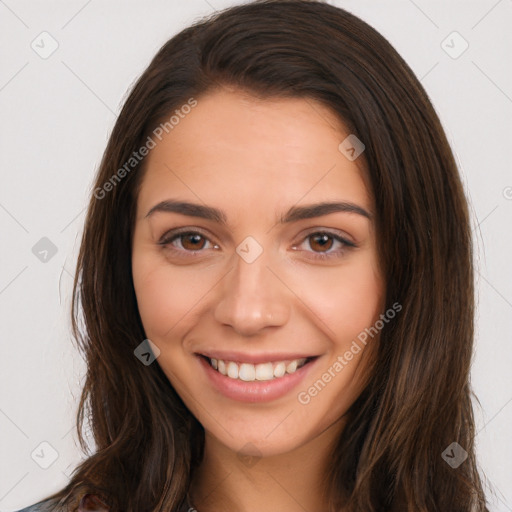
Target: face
(239, 266)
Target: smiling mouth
(257, 372)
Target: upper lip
(265, 357)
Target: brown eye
(185, 242)
(321, 242)
(323, 245)
(192, 241)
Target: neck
(288, 482)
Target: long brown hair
(418, 400)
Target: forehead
(233, 147)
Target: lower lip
(255, 391)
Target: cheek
(170, 298)
(359, 303)
(164, 295)
(348, 301)
(345, 299)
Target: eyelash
(170, 236)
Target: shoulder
(41, 506)
(89, 503)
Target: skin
(254, 159)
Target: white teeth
(232, 370)
(279, 370)
(264, 371)
(249, 372)
(292, 367)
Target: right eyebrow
(294, 214)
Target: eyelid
(309, 231)
(346, 244)
(330, 231)
(169, 236)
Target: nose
(252, 298)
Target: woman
(276, 281)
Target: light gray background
(56, 115)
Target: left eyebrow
(294, 214)
(317, 210)
(190, 209)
